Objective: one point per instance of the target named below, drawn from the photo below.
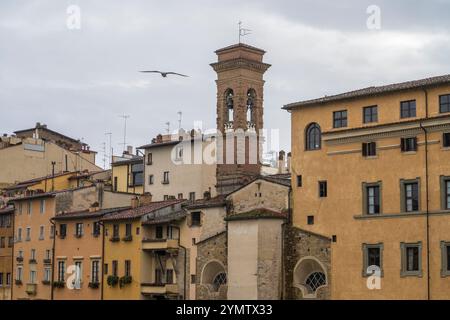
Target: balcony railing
(159, 288)
(159, 244)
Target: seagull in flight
(164, 74)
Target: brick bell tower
(240, 87)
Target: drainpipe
(185, 260)
(53, 258)
(103, 258)
(283, 239)
(53, 175)
(12, 255)
(427, 196)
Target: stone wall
(212, 249)
(300, 244)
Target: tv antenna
(110, 146)
(242, 31)
(168, 127)
(180, 115)
(125, 118)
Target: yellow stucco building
(371, 171)
(128, 175)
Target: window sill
(370, 157)
(445, 148)
(405, 274)
(409, 153)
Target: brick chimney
(134, 202)
(145, 199)
(281, 162)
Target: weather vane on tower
(242, 31)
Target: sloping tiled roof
(428, 82)
(175, 216)
(127, 161)
(260, 213)
(240, 45)
(33, 181)
(159, 144)
(218, 201)
(133, 213)
(86, 214)
(7, 209)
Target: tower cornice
(240, 63)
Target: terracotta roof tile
(133, 213)
(428, 82)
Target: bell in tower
(240, 69)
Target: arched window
(315, 280)
(313, 137)
(219, 279)
(251, 96)
(229, 104)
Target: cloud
(80, 81)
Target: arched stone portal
(309, 276)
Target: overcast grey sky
(80, 81)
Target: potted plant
(112, 280)
(93, 285)
(59, 284)
(18, 282)
(125, 280)
(46, 282)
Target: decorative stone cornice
(240, 63)
(389, 130)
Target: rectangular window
(30, 207)
(8, 279)
(151, 179)
(322, 189)
(373, 199)
(179, 153)
(20, 253)
(370, 114)
(96, 229)
(446, 139)
(52, 231)
(19, 234)
(62, 231)
(137, 171)
(193, 279)
(159, 232)
(32, 276)
(166, 177)
(447, 193)
(369, 149)
(340, 119)
(78, 274)
(33, 254)
(373, 259)
(149, 158)
(196, 218)
(19, 273)
(411, 192)
(128, 230)
(105, 268)
(310, 220)
(1, 279)
(47, 274)
(411, 259)
(61, 271)
(28, 238)
(408, 109)
(2, 242)
(79, 230)
(180, 196)
(10, 242)
(191, 196)
(48, 254)
(42, 206)
(169, 276)
(115, 184)
(20, 208)
(95, 271)
(116, 231)
(41, 233)
(444, 103)
(408, 144)
(299, 181)
(114, 268)
(127, 268)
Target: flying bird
(164, 74)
